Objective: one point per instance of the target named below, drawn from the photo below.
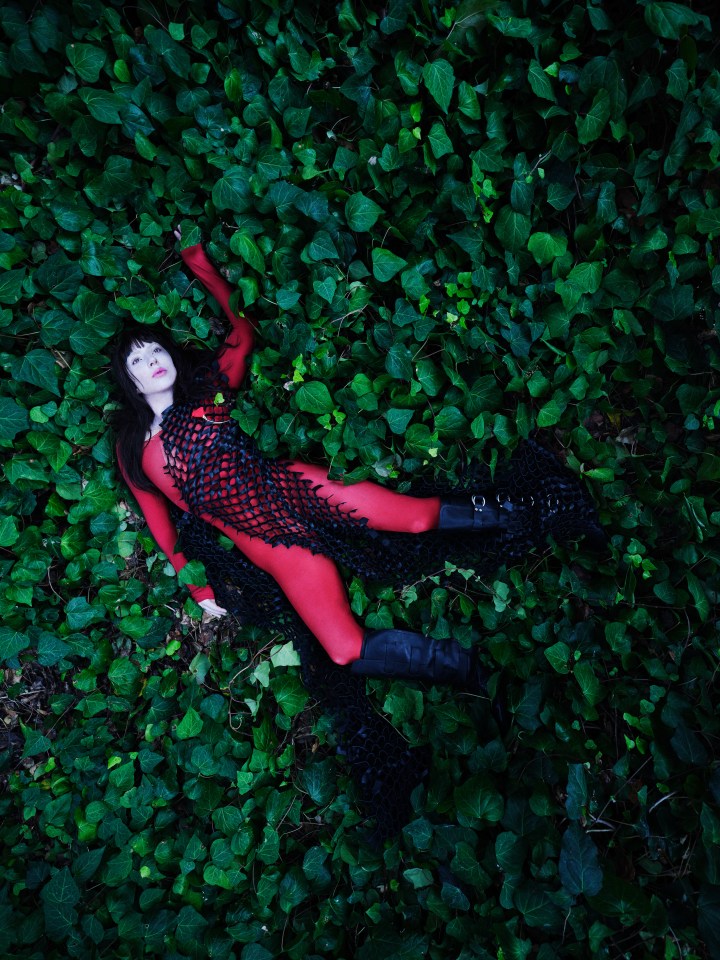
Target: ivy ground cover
(458, 226)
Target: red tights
(311, 582)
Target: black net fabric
(222, 476)
(384, 768)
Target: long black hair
(133, 420)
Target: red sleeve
(238, 345)
(156, 511)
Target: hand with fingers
(213, 609)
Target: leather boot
(412, 656)
(478, 512)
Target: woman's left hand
(212, 608)
(177, 233)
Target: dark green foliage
(454, 225)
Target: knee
(341, 658)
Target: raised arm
(156, 510)
(233, 356)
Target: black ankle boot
(412, 656)
(480, 511)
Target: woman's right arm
(156, 510)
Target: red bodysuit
(310, 581)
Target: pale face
(151, 367)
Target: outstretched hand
(212, 608)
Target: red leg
(384, 509)
(313, 585)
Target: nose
(152, 360)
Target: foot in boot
(406, 655)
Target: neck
(158, 402)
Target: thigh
(315, 589)
(383, 509)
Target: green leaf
(102, 105)
(589, 684)
(536, 907)
(362, 213)
(314, 397)
(579, 865)
(667, 19)
(290, 694)
(476, 800)
(540, 82)
(326, 288)
(59, 897)
(398, 362)
(56, 450)
(190, 927)
(9, 534)
(439, 78)
(124, 677)
(232, 190)
(577, 792)
(39, 368)
(592, 124)
(399, 419)
(386, 264)
(512, 229)
(245, 247)
(321, 247)
(440, 142)
(12, 642)
(558, 656)
(319, 779)
(13, 418)
(11, 282)
(551, 412)
(190, 725)
(708, 221)
(546, 247)
(87, 61)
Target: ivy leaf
(592, 124)
(440, 142)
(59, 277)
(512, 229)
(540, 82)
(37, 367)
(190, 927)
(232, 190)
(87, 61)
(362, 213)
(190, 725)
(102, 105)
(290, 694)
(314, 397)
(579, 865)
(12, 642)
(11, 285)
(56, 450)
(475, 800)
(321, 247)
(59, 897)
(13, 418)
(439, 78)
(326, 288)
(546, 247)
(386, 264)
(245, 247)
(667, 19)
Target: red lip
(160, 372)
